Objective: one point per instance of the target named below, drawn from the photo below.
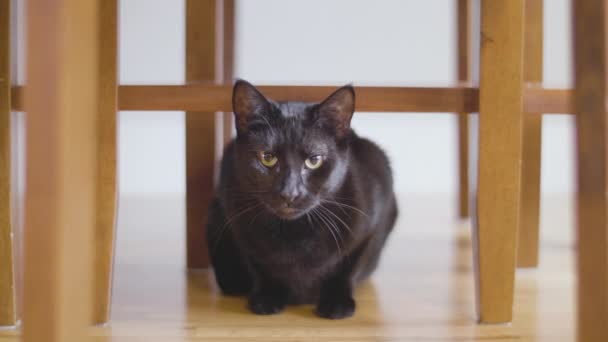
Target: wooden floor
(423, 290)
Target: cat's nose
(289, 197)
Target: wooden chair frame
(509, 99)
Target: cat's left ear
(248, 104)
(337, 110)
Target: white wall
(407, 42)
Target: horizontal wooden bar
(212, 98)
(216, 98)
(549, 101)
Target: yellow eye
(267, 158)
(314, 162)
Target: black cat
(303, 207)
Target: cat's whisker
(243, 211)
(254, 217)
(337, 217)
(332, 225)
(324, 222)
(339, 207)
(328, 229)
(308, 218)
(336, 227)
(349, 207)
(230, 221)
(346, 206)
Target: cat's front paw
(266, 304)
(336, 308)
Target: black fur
(288, 234)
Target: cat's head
(291, 156)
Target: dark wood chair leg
(228, 62)
(464, 65)
(209, 57)
(589, 22)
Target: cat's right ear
(247, 103)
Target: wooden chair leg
(228, 62)
(464, 64)
(500, 126)
(61, 104)
(463, 165)
(201, 134)
(106, 161)
(532, 135)
(589, 22)
(7, 276)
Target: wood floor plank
(422, 290)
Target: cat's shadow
(365, 296)
(203, 291)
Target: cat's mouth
(288, 213)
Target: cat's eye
(314, 162)
(267, 158)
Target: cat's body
(342, 214)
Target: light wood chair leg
(464, 65)
(106, 161)
(528, 244)
(61, 104)
(500, 154)
(7, 276)
(202, 64)
(589, 22)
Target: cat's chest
(289, 246)
(300, 265)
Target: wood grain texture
(106, 160)
(589, 22)
(500, 155)
(528, 236)
(464, 64)
(61, 102)
(202, 65)
(7, 276)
